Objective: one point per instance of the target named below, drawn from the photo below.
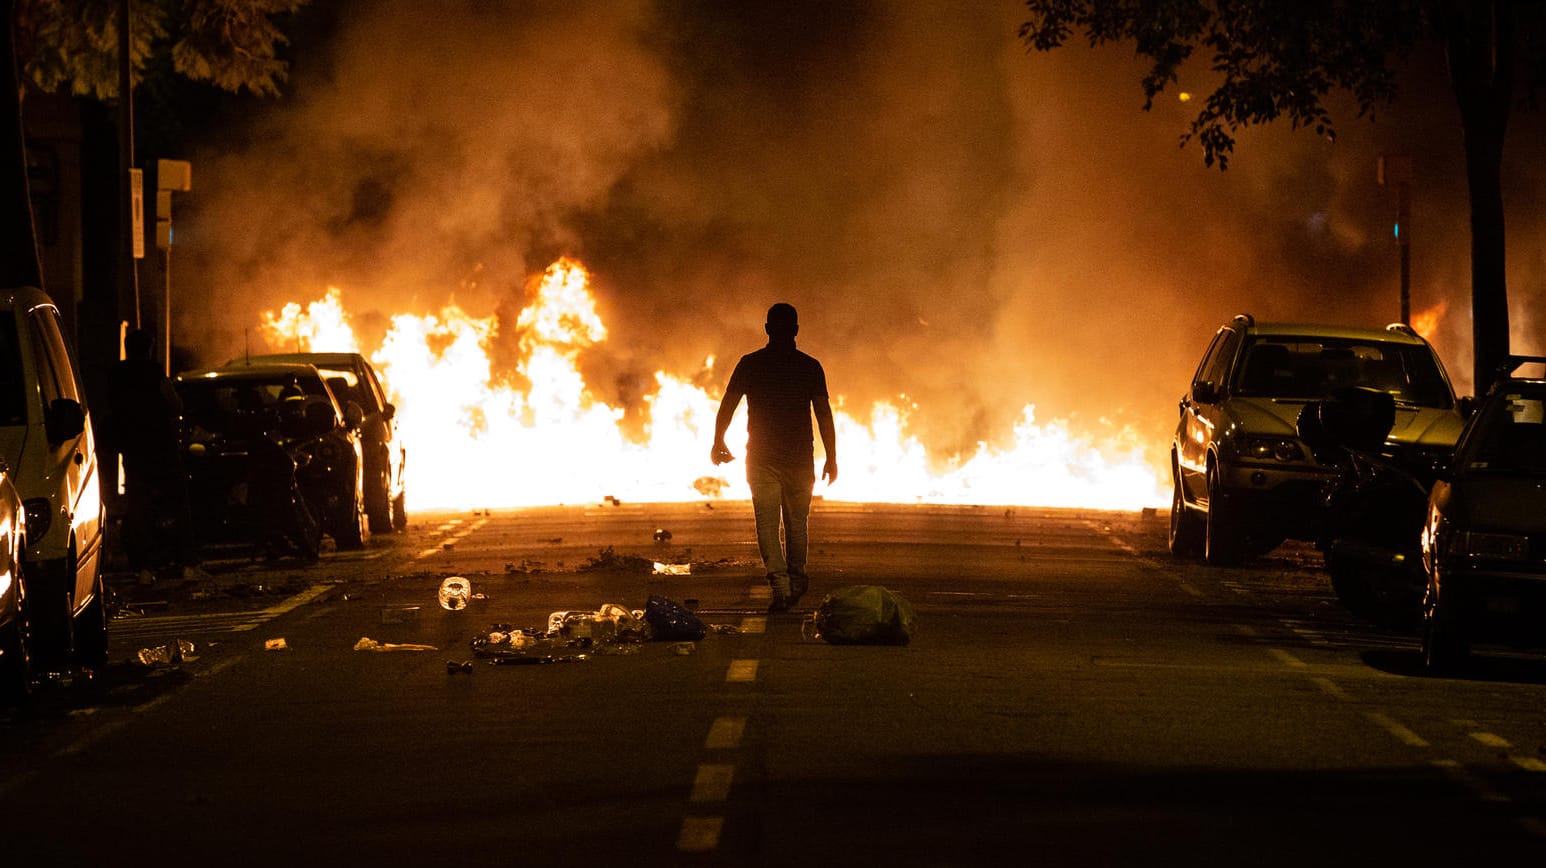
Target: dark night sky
(956, 220)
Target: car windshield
(1510, 435)
(13, 390)
(240, 405)
(1310, 368)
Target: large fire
(474, 441)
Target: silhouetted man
(146, 416)
(782, 387)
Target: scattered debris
(455, 591)
(662, 535)
(462, 666)
(661, 569)
(727, 629)
(172, 653)
(864, 615)
(684, 649)
(275, 644)
(671, 621)
(368, 644)
(612, 500)
(607, 559)
(399, 614)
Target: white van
(46, 440)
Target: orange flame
(1426, 322)
(476, 442)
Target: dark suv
(1243, 481)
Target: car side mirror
(65, 419)
(389, 412)
(354, 416)
(1466, 406)
(1205, 393)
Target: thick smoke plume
(957, 221)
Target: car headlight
(1492, 546)
(1271, 449)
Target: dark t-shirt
(779, 382)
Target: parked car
(15, 626)
(1484, 540)
(1242, 479)
(233, 415)
(353, 379)
(47, 442)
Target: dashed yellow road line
(1287, 659)
(754, 624)
(1463, 776)
(741, 671)
(1396, 728)
(699, 834)
(1528, 763)
(725, 733)
(1331, 689)
(712, 783)
(1491, 740)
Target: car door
(73, 458)
(1199, 412)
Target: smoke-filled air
(555, 226)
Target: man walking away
(782, 387)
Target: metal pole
(1404, 220)
(166, 308)
(128, 274)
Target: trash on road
(684, 649)
(671, 621)
(455, 592)
(544, 658)
(368, 644)
(662, 535)
(459, 666)
(399, 614)
(275, 644)
(672, 569)
(171, 653)
(864, 615)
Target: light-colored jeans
(781, 495)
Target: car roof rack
(1245, 319)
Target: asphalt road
(1072, 696)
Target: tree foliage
(72, 45)
(1280, 59)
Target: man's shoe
(799, 583)
(780, 603)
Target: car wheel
(378, 507)
(16, 649)
(1187, 529)
(352, 527)
(1445, 648)
(400, 512)
(91, 629)
(1222, 544)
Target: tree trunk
(1480, 51)
(20, 264)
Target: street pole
(128, 274)
(1395, 170)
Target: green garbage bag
(864, 615)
